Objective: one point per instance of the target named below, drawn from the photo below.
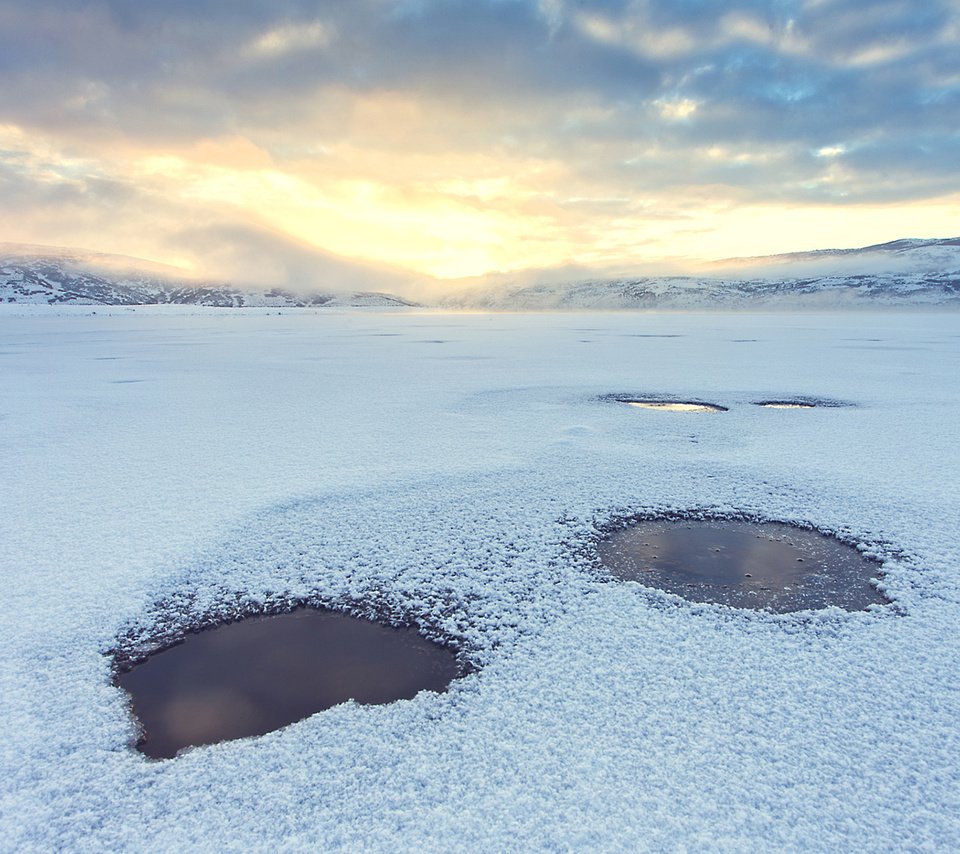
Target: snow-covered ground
(450, 467)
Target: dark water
(262, 673)
(769, 566)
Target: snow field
(449, 469)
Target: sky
(458, 138)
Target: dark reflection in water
(262, 673)
(769, 566)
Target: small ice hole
(675, 406)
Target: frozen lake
(452, 469)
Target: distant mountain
(897, 256)
(39, 274)
(897, 246)
(901, 273)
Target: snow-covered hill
(901, 273)
(36, 274)
(897, 256)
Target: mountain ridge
(60, 276)
(906, 272)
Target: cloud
(289, 38)
(452, 135)
(248, 255)
(203, 242)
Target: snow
(58, 277)
(452, 469)
(897, 275)
(867, 291)
(922, 273)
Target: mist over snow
(251, 258)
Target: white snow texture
(164, 464)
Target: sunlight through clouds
(675, 109)
(291, 37)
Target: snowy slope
(34, 275)
(902, 273)
(909, 256)
(452, 469)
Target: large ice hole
(261, 673)
(675, 406)
(768, 566)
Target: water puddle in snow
(765, 566)
(675, 406)
(262, 673)
(801, 403)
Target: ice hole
(768, 566)
(261, 673)
(675, 406)
(786, 404)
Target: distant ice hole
(672, 405)
(261, 673)
(768, 566)
(786, 404)
(801, 403)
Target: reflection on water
(262, 673)
(770, 566)
(664, 406)
(786, 404)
